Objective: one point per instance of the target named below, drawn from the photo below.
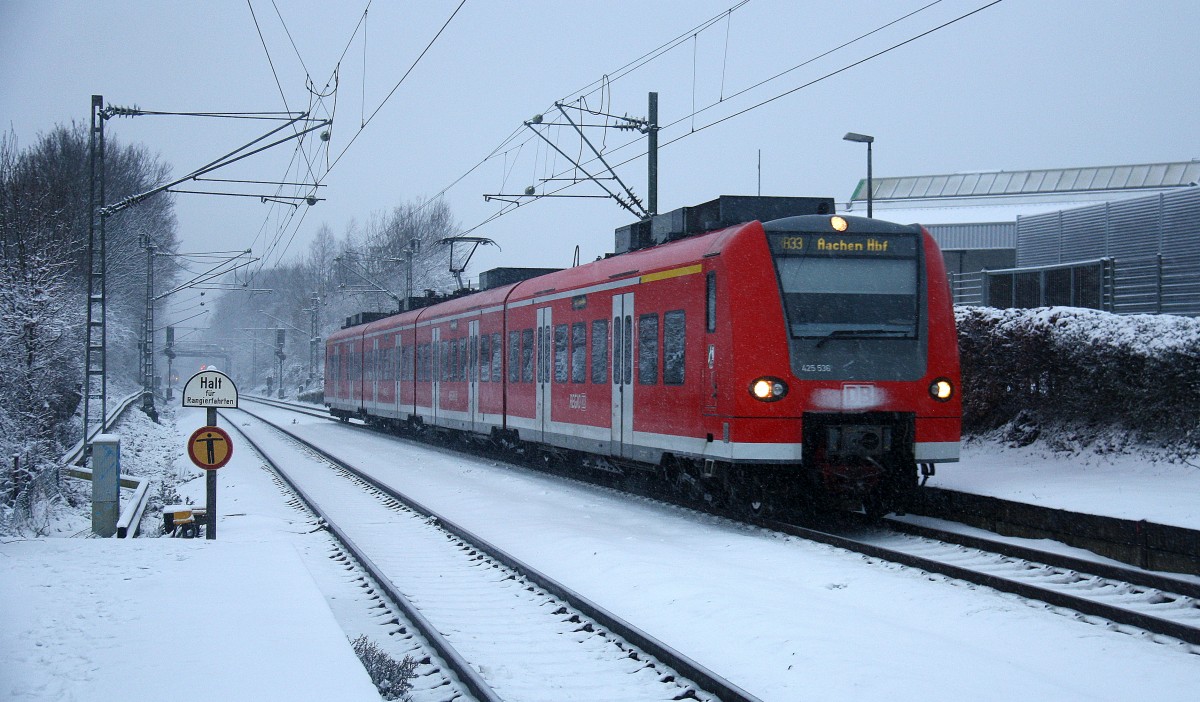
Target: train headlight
(941, 390)
(839, 224)
(768, 389)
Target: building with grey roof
(1122, 238)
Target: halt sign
(210, 447)
(210, 388)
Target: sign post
(210, 446)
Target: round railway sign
(210, 447)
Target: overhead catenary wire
(397, 85)
(513, 145)
(291, 222)
(299, 150)
(511, 206)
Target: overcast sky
(1019, 85)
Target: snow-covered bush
(392, 678)
(1075, 367)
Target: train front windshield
(846, 286)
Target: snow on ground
(168, 619)
(1146, 485)
(240, 617)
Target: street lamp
(868, 140)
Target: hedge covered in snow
(1065, 366)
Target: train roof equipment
(725, 211)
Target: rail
(694, 671)
(1043, 593)
(467, 674)
(1046, 592)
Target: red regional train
(754, 351)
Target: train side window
(514, 357)
(579, 352)
(617, 351)
(710, 311)
(600, 351)
(627, 351)
(541, 354)
(464, 359)
(399, 355)
(527, 355)
(560, 353)
(406, 362)
(648, 349)
(674, 338)
(460, 356)
(485, 359)
(497, 358)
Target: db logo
(860, 396)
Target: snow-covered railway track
(506, 630)
(1108, 594)
(447, 683)
(1121, 598)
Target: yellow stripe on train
(673, 273)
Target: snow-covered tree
(44, 224)
(365, 270)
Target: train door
(397, 353)
(436, 361)
(622, 375)
(545, 356)
(373, 374)
(473, 372)
(710, 344)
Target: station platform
(168, 619)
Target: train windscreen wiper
(867, 333)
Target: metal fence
(1144, 285)
(1087, 284)
(1152, 245)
